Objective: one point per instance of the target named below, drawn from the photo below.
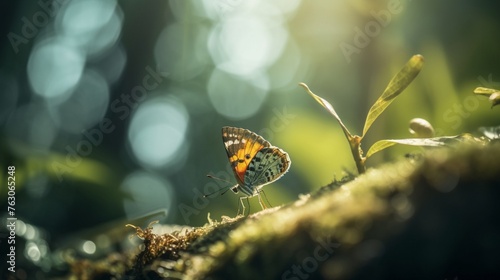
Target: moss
(434, 217)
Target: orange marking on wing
(240, 161)
(254, 149)
(242, 164)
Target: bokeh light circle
(246, 44)
(181, 50)
(92, 25)
(86, 106)
(54, 68)
(235, 97)
(157, 131)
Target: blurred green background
(111, 110)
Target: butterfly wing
(241, 147)
(268, 165)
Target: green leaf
(395, 87)
(379, 146)
(422, 142)
(485, 91)
(329, 108)
(425, 142)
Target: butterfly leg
(243, 205)
(261, 202)
(265, 198)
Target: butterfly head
(235, 188)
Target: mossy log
(430, 217)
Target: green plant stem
(357, 153)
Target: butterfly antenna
(216, 178)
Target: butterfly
(254, 161)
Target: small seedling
(418, 127)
